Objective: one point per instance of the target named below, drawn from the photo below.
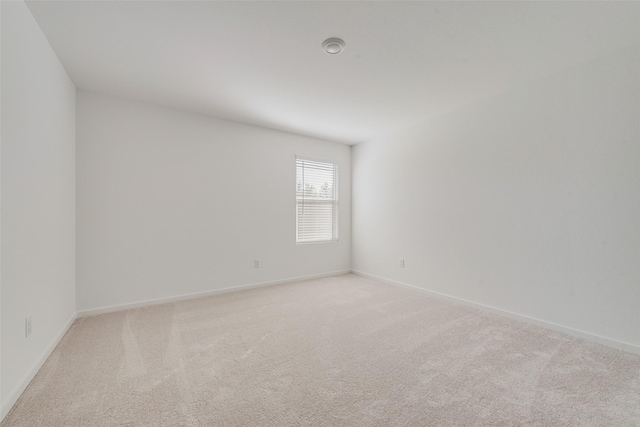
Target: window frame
(334, 201)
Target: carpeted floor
(339, 351)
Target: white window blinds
(316, 201)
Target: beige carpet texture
(337, 351)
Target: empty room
(319, 213)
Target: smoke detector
(333, 46)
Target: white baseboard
(128, 306)
(620, 345)
(22, 385)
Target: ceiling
(261, 62)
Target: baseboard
(128, 306)
(620, 345)
(19, 389)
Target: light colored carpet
(339, 351)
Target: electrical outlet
(256, 263)
(402, 263)
(27, 326)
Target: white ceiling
(261, 62)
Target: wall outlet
(402, 263)
(27, 326)
(256, 263)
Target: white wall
(528, 202)
(38, 199)
(1, 400)
(172, 203)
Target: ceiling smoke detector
(333, 46)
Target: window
(316, 201)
